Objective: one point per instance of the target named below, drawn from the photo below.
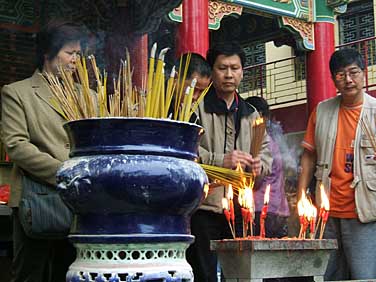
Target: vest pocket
(368, 158)
(366, 146)
(365, 197)
(371, 185)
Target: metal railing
(282, 82)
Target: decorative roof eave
(302, 31)
(300, 9)
(217, 10)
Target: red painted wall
(292, 119)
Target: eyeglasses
(76, 54)
(353, 73)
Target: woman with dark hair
(34, 139)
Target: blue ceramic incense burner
(133, 184)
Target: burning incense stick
(229, 176)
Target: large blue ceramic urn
(133, 184)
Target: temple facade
(287, 42)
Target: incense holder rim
(124, 135)
(136, 118)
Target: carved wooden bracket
(217, 10)
(305, 30)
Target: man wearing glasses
(339, 150)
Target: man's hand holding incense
(231, 160)
(255, 167)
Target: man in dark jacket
(227, 120)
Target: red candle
(230, 196)
(250, 216)
(227, 214)
(264, 211)
(262, 220)
(325, 209)
(245, 215)
(312, 227)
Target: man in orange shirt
(338, 150)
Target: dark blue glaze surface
(130, 239)
(133, 136)
(116, 189)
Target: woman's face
(66, 57)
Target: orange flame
(266, 195)
(306, 208)
(248, 198)
(302, 203)
(224, 203)
(206, 189)
(241, 197)
(230, 193)
(324, 198)
(310, 211)
(258, 121)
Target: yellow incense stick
(150, 78)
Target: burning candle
(264, 211)
(324, 210)
(301, 217)
(243, 210)
(250, 208)
(226, 212)
(312, 222)
(246, 202)
(303, 206)
(230, 197)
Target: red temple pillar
(319, 82)
(193, 32)
(139, 57)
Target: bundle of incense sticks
(238, 179)
(74, 99)
(258, 128)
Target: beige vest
(364, 181)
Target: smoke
(290, 154)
